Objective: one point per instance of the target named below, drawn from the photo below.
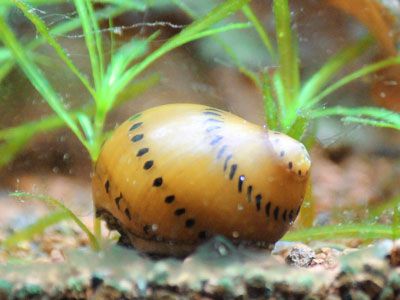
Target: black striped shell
(174, 175)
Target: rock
(300, 256)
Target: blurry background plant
(291, 103)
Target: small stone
(56, 256)
(394, 256)
(300, 256)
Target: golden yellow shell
(175, 175)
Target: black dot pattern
(169, 199)
(258, 201)
(212, 128)
(216, 140)
(142, 152)
(148, 164)
(190, 223)
(284, 215)
(180, 211)
(276, 213)
(212, 113)
(117, 200)
(214, 109)
(249, 191)
(214, 120)
(233, 171)
(240, 183)
(226, 161)
(158, 181)
(137, 138)
(135, 126)
(128, 214)
(221, 151)
(107, 186)
(146, 229)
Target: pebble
(56, 256)
(300, 256)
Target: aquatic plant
(291, 104)
(107, 83)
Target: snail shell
(175, 175)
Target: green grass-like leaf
(270, 105)
(279, 90)
(288, 60)
(89, 31)
(368, 69)
(343, 231)
(37, 78)
(29, 232)
(117, 75)
(251, 16)
(13, 139)
(9, 148)
(190, 33)
(59, 29)
(225, 46)
(94, 243)
(336, 63)
(42, 28)
(136, 88)
(374, 116)
(376, 211)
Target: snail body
(175, 175)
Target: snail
(175, 175)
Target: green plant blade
(225, 45)
(279, 89)
(41, 27)
(29, 232)
(59, 29)
(288, 61)
(114, 80)
(376, 211)
(136, 88)
(270, 106)
(86, 126)
(139, 67)
(320, 78)
(251, 16)
(369, 122)
(10, 148)
(98, 37)
(56, 203)
(37, 78)
(189, 34)
(365, 115)
(5, 68)
(371, 68)
(215, 31)
(299, 127)
(344, 231)
(89, 29)
(139, 5)
(13, 139)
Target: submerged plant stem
(94, 243)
